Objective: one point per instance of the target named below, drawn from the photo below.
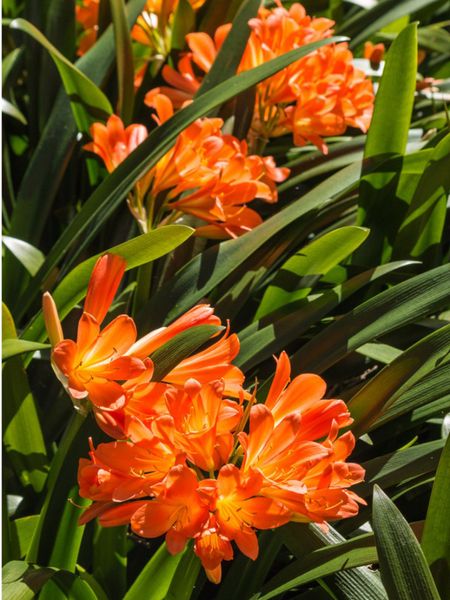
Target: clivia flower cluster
(207, 174)
(317, 96)
(213, 176)
(195, 457)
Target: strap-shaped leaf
(387, 136)
(88, 101)
(155, 579)
(14, 347)
(382, 391)
(321, 563)
(124, 60)
(180, 347)
(404, 570)
(436, 532)
(299, 273)
(203, 273)
(420, 233)
(401, 304)
(265, 337)
(30, 257)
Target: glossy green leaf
(13, 347)
(404, 570)
(124, 61)
(203, 273)
(263, 338)
(246, 576)
(156, 577)
(58, 488)
(183, 584)
(300, 273)
(22, 530)
(380, 352)
(22, 434)
(229, 56)
(420, 233)
(401, 304)
(88, 101)
(182, 345)
(436, 533)
(21, 581)
(112, 191)
(60, 31)
(321, 563)
(387, 136)
(137, 251)
(29, 256)
(393, 381)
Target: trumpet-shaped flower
(97, 362)
(113, 142)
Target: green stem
(69, 436)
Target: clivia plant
(226, 332)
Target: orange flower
(178, 510)
(308, 477)
(212, 547)
(113, 142)
(97, 362)
(199, 423)
(121, 471)
(374, 53)
(86, 14)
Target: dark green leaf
(263, 338)
(404, 570)
(436, 533)
(229, 56)
(401, 304)
(421, 231)
(88, 101)
(156, 577)
(180, 347)
(124, 60)
(203, 273)
(383, 390)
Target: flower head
(86, 14)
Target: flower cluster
(207, 174)
(317, 96)
(195, 457)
